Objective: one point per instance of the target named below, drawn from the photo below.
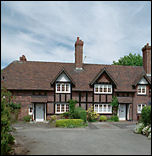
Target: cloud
(46, 31)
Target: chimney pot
(23, 58)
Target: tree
(7, 106)
(130, 60)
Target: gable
(103, 78)
(63, 78)
(143, 81)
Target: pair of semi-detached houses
(44, 88)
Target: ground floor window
(103, 108)
(140, 107)
(61, 108)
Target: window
(62, 88)
(140, 107)
(61, 108)
(142, 89)
(103, 89)
(103, 108)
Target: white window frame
(142, 105)
(69, 91)
(141, 86)
(60, 108)
(102, 110)
(102, 86)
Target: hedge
(70, 123)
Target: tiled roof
(32, 75)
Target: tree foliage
(130, 60)
(7, 106)
(114, 105)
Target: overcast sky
(47, 31)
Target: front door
(39, 112)
(122, 112)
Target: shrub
(114, 118)
(114, 105)
(27, 118)
(103, 118)
(92, 116)
(69, 123)
(145, 130)
(72, 104)
(80, 113)
(6, 138)
(146, 115)
(138, 128)
(66, 114)
(53, 118)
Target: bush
(66, 114)
(80, 113)
(72, 104)
(27, 118)
(146, 115)
(145, 130)
(6, 138)
(114, 118)
(103, 118)
(53, 118)
(92, 116)
(138, 128)
(69, 123)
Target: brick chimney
(79, 54)
(23, 58)
(147, 59)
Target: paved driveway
(97, 139)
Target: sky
(47, 31)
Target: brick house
(44, 88)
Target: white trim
(103, 86)
(102, 110)
(63, 78)
(65, 84)
(143, 81)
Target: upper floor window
(140, 107)
(62, 87)
(142, 89)
(103, 88)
